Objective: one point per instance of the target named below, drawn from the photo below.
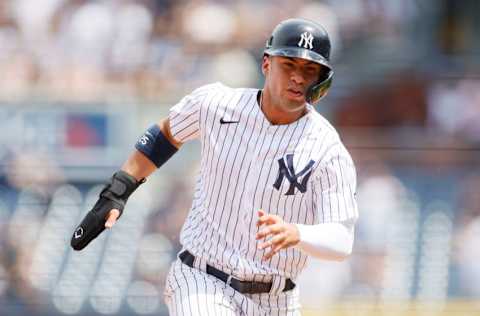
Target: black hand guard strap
(114, 195)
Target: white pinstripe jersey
(300, 171)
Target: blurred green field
(451, 308)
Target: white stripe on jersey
(300, 171)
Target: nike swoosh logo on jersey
(222, 121)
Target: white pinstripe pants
(190, 291)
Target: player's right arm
(152, 150)
(158, 144)
(140, 166)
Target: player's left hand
(282, 234)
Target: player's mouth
(295, 93)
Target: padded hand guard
(113, 196)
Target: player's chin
(294, 104)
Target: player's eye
(311, 70)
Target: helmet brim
(298, 53)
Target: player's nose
(297, 78)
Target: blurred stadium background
(80, 80)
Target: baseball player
(276, 185)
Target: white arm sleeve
(329, 241)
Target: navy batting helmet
(308, 40)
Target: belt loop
(197, 263)
(200, 264)
(278, 284)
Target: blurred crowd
(90, 49)
(397, 63)
(406, 99)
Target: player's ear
(265, 64)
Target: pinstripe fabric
(241, 160)
(190, 291)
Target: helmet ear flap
(320, 89)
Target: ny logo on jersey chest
(286, 170)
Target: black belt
(245, 287)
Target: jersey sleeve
(184, 117)
(334, 188)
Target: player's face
(287, 80)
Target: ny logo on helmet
(306, 40)
(287, 171)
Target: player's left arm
(335, 200)
(327, 241)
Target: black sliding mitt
(113, 196)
